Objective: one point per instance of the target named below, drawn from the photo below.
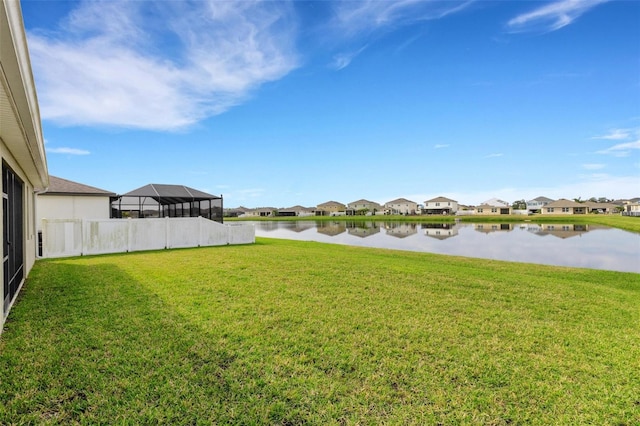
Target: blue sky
(282, 103)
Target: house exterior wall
(72, 207)
(492, 210)
(364, 205)
(21, 141)
(441, 204)
(563, 210)
(329, 208)
(407, 207)
(535, 205)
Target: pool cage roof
(159, 200)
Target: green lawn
(288, 332)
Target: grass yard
(288, 332)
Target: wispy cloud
(109, 66)
(593, 166)
(355, 17)
(69, 151)
(552, 16)
(364, 20)
(440, 146)
(621, 149)
(494, 155)
(615, 134)
(342, 60)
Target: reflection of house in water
(400, 230)
(301, 225)
(493, 227)
(440, 231)
(562, 230)
(268, 226)
(534, 228)
(330, 228)
(362, 229)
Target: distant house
(607, 208)
(261, 212)
(296, 211)
(401, 206)
(330, 208)
(493, 207)
(236, 212)
(65, 199)
(632, 209)
(536, 205)
(440, 205)
(24, 163)
(363, 207)
(564, 206)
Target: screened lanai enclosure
(157, 200)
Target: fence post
(129, 234)
(167, 239)
(83, 249)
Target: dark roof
(59, 186)
(170, 194)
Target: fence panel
(147, 234)
(105, 236)
(183, 232)
(76, 237)
(61, 237)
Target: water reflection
(587, 246)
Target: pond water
(582, 246)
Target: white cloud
(343, 60)
(159, 65)
(499, 154)
(440, 146)
(70, 151)
(357, 20)
(593, 166)
(621, 149)
(355, 17)
(615, 134)
(552, 16)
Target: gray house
(536, 205)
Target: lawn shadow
(88, 343)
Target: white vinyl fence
(77, 237)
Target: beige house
(365, 207)
(440, 205)
(260, 212)
(330, 208)
(632, 209)
(493, 207)
(296, 211)
(564, 206)
(401, 206)
(606, 208)
(24, 163)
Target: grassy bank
(286, 332)
(627, 223)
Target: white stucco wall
(72, 207)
